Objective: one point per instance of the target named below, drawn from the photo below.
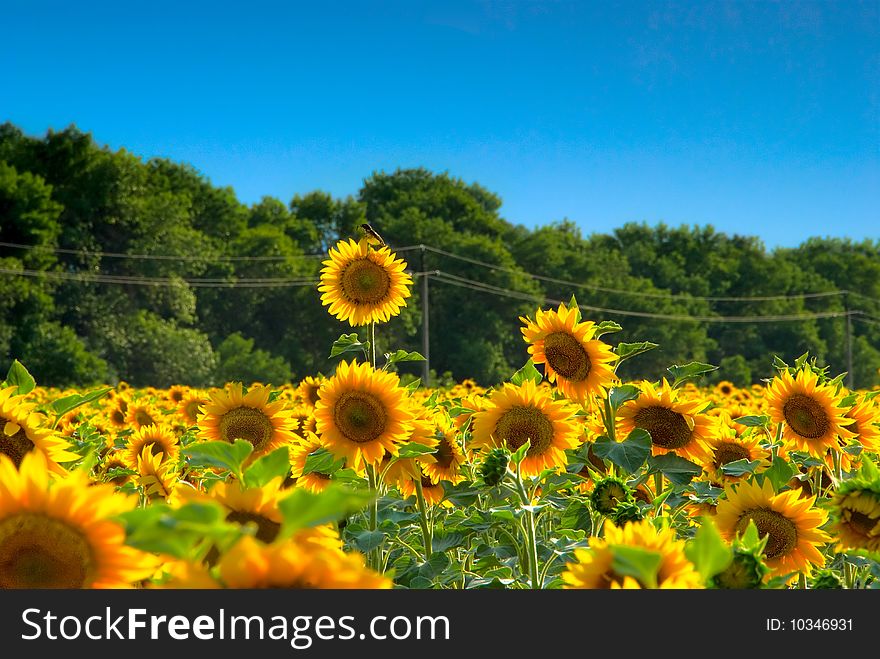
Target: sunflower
(157, 477)
(140, 413)
(363, 285)
(249, 505)
(432, 490)
(313, 481)
(362, 414)
(176, 394)
(814, 420)
(594, 567)
(516, 414)
(188, 408)
(61, 535)
(22, 431)
(305, 418)
(864, 418)
(856, 511)
(725, 389)
(448, 458)
(116, 414)
(727, 446)
(233, 414)
(159, 440)
(579, 364)
(673, 421)
(791, 523)
(307, 391)
(295, 564)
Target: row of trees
(160, 327)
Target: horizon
(757, 120)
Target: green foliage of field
(66, 191)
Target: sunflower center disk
(267, 530)
(806, 416)
(522, 423)
(364, 282)
(567, 356)
(668, 429)
(40, 552)
(729, 452)
(143, 419)
(862, 524)
(360, 416)
(192, 410)
(444, 454)
(246, 423)
(782, 532)
(16, 445)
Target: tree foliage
(166, 320)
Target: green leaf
(573, 304)
(19, 377)
(708, 551)
(641, 564)
(412, 386)
(751, 540)
(619, 395)
(274, 465)
(627, 350)
(780, 473)
(681, 374)
(675, 468)
(303, 509)
(740, 467)
(868, 471)
(629, 454)
(366, 541)
(759, 421)
(446, 541)
(402, 356)
(219, 454)
(577, 516)
(527, 372)
(520, 454)
(177, 531)
(348, 343)
(322, 461)
(606, 327)
(434, 566)
(414, 450)
(67, 404)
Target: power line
(462, 282)
(682, 296)
(160, 281)
(175, 257)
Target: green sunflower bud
(746, 571)
(608, 493)
(826, 580)
(626, 511)
(494, 466)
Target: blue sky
(755, 117)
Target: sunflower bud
(626, 511)
(494, 467)
(746, 571)
(608, 493)
(826, 580)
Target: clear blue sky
(756, 117)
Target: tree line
(83, 305)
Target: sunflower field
(565, 476)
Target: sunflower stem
(530, 532)
(375, 554)
(423, 519)
(802, 581)
(848, 574)
(838, 467)
(373, 344)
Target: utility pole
(426, 335)
(849, 359)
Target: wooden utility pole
(849, 356)
(426, 334)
